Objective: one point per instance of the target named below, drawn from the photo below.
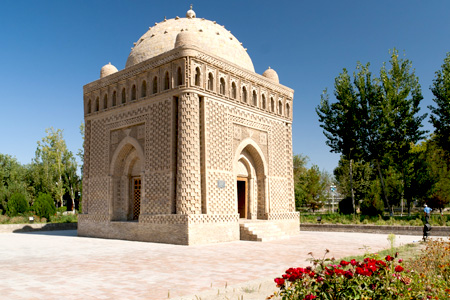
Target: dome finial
(190, 13)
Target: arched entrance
(251, 183)
(127, 181)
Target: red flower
(399, 268)
(279, 281)
(310, 297)
(319, 279)
(389, 258)
(353, 262)
(344, 263)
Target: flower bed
(425, 277)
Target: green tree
(49, 164)
(300, 172)
(374, 119)
(315, 189)
(44, 206)
(440, 115)
(72, 181)
(12, 179)
(17, 204)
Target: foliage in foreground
(423, 277)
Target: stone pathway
(60, 265)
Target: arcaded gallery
(187, 144)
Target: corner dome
(107, 70)
(271, 74)
(206, 35)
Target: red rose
(353, 262)
(399, 268)
(279, 281)
(344, 263)
(310, 297)
(389, 258)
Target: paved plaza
(60, 265)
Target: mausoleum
(187, 144)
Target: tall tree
(374, 118)
(71, 179)
(440, 115)
(49, 163)
(402, 95)
(12, 179)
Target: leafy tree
(372, 203)
(315, 189)
(12, 179)
(17, 204)
(300, 172)
(374, 119)
(44, 206)
(49, 167)
(440, 115)
(72, 182)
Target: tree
(402, 95)
(315, 189)
(17, 204)
(71, 180)
(440, 115)
(374, 119)
(12, 179)
(49, 163)
(44, 206)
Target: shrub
(70, 218)
(346, 206)
(44, 206)
(16, 205)
(61, 209)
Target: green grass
(413, 220)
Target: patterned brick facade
(189, 125)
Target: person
(427, 212)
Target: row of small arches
(133, 96)
(244, 94)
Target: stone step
(261, 231)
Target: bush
(70, 218)
(16, 205)
(61, 209)
(346, 206)
(44, 206)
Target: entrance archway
(251, 181)
(127, 181)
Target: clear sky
(50, 49)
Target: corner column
(188, 199)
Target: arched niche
(127, 181)
(250, 172)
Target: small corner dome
(185, 38)
(271, 74)
(107, 70)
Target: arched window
(233, 90)
(280, 108)
(155, 85)
(133, 92)
(144, 89)
(210, 82)
(114, 99)
(272, 105)
(97, 104)
(197, 76)
(179, 76)
(124, 96)
(244, 94)
(288, 110)
(222, 86)
(89, 106)
(255, 99)
(166, 81)
(105, 101)
(263, 101)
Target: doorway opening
(136, 196)
(242, 196)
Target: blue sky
(50, 49)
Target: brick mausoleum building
(187, 144)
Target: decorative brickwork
(177, 131)
(188, 161)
